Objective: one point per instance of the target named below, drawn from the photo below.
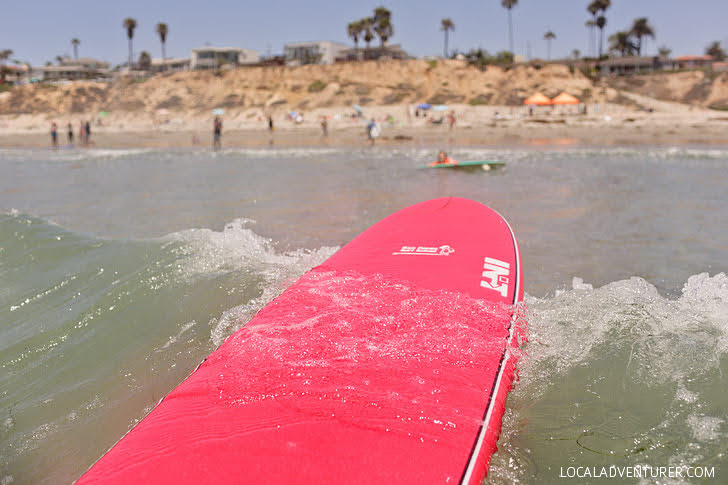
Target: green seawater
(121, 270)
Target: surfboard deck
(470, 164)
(388, 363)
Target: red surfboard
(389, 363)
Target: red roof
(694, 58)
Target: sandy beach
(475, 126)
(175, 110)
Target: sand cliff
(307, 87)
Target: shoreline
(715, 133)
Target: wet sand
(523, 133)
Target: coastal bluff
(275, 89)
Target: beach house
(215, 57)
(14, 74)
(317, 52)
(73, 69)
(634, 65)
(174, 64)
(394, 51)
(694, 62)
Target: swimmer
(443, 159)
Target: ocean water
(120, 270)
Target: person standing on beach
(270, 124)
(81, 131)
(372, 131)
(451, 119)
(70, 133)
(216, 133)
(324, 126)
(54, 134)
(87, 133)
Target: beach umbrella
(537, 99)
(424, 106)
(357, 108)
(218, 111)
(441, 107)
(565, 98)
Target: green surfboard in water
(484, 164)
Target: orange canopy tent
(565, 98)
(537, 99)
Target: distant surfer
(443, 159)
(217, 133)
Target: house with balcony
(216, 57)
(317, 52)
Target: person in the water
(443, 159)
(54, 134)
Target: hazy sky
(38, 30)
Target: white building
(323, 52)
(215, 57)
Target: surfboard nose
(481, 258)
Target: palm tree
(594, 8)
(163, 30)
(716, 51)
(621, 42)
(145, 60)
(447, 26)
(641, 28)
(549, 36)
(601, 23)
(590, 26)
(664, 51)
(508, 5)
(354, 30)
(4, 55)
(382, 24)
(576, 54)
(59, 59)
(367, 25)
(75, 43)
(130, 24)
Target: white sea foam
(705, 428)
(237, 248)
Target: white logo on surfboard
(426, 250)
(495, 274)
